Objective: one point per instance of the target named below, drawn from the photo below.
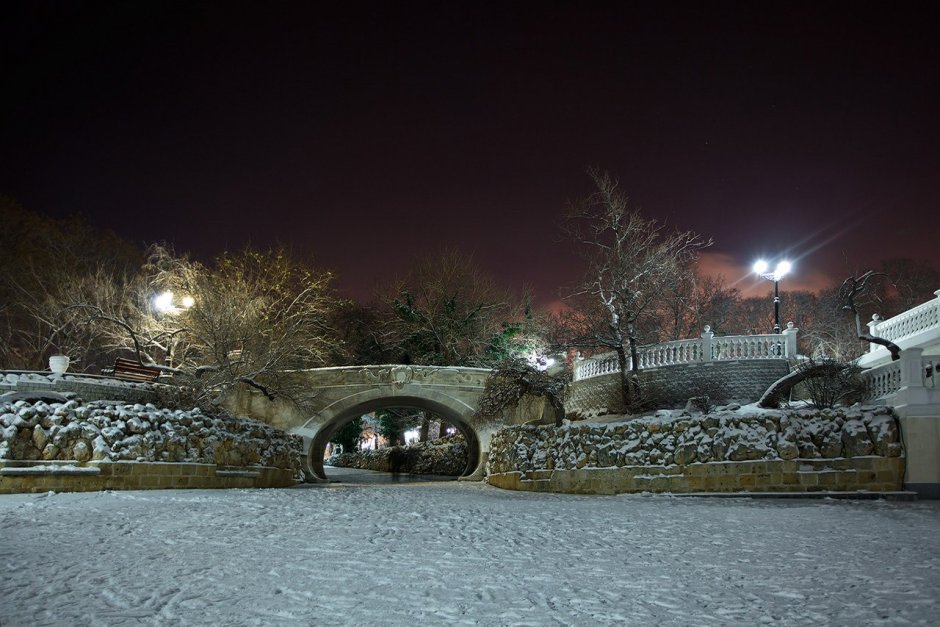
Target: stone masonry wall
(87, 387)
(786, 450)
(672, 386)
(76, 434)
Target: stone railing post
(707, 335)
(912, 391)
(789, 336)
(912, 368)
(873, 331)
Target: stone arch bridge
(334, 396)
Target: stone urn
(58, 364)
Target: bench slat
(130, 370)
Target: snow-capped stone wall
(672, 386)
(83, 386)
(773, 447)
(104, 432)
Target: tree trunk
(425, 427)
(634, 379)
(626, 389)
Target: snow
(461, 553)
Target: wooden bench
(130, 370)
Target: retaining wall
(109, 445)
(84, 386)
(672, 386)
(733, 450)
(44, 476)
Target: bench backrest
(130, 370)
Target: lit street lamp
(166, 303)
(760, 268)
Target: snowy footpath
(462, 554)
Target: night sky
(367, 134)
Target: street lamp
(783, 267)
(165, 302)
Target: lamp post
(166, 303)
(783, 267)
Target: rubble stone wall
(50, 436)
(727, 451)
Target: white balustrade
(672, 353)
(883, 380)
(921, 318)
(911, 371)
(697, 350)
(748, 347)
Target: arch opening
(325, 433)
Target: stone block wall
(83, 386)
(34, 476)
(672, 386)
(858, 474)
(729, 451)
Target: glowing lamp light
(163, 302)
(761, 267)
(540, 362)
(783, 267)
(187, 302)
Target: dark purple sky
(371, 133)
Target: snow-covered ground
(462, 553)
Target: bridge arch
(336, 395)
(332, 417)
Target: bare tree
(694, 301)
(256, 316)
(855, 290)
(447, 313)
(910, 283)
(249, 318)
(45, 263)
(631, 261)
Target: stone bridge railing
(706, 348)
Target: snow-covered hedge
(440, 457)
(671, 437)
(102, 430)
